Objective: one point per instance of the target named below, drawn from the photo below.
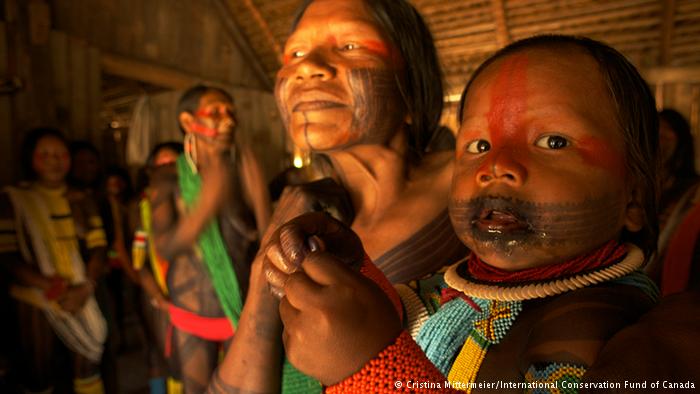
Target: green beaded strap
(212, 247)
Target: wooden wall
(59, 50)
(58, 77)
(189, 36)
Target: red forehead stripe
(508, 99)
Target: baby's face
(540, 161)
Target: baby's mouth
(499, 222)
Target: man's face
(51, 160)
(86, 167)
(337, 87)
(214, 120)
(540, 162)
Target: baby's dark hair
(637, 119)
(189, 101)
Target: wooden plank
(249, 56)
(262, 23)
(94, 94)
(58, 41)
(77, 69)
(152, 73)
(7, 136)
(671, 74)
(499, 16)
(667, 21)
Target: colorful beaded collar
(458, 277)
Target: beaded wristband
(391, 369)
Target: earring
(190, 143)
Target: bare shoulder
(573, 327)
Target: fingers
(303, 293)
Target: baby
(554, 191)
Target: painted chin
(493, 224)
(318, 132)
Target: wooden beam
(667, 19)
(239, 38)
(267, 32)
(152, 73)
(670, 74)
(499, 17)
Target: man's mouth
(316, 105)
(499, 221)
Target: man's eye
(298, 54)
(552, 142)
(478, 146)
(349, 47)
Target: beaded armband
(554, 375)
(370, 271)
(390, 370)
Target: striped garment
(46, 234)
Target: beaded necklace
(482, 315)
(458, 277)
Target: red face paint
(602, 154)
(203, 130)
(508, 100)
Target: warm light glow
(298, 161)
(453, 98)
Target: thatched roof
(651, 33)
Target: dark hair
(80, 146)
(31, 140)
(189, 101)
(421, 85)
(636, 116)
(682, 163)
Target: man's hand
(324, 195)
(335, 319)
(74, 298)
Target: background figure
(86, 175)
(55, 245)
(86, 169)
(152, 271)
(117, 193)
(206, 214)
(677, 266)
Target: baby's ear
(635, 217)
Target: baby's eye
(552, 142)
(349, 47)
(478, 146)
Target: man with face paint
(361, 86)
(53, 243)
(554, 193)
(207, 212)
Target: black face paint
(280, 93)
(503, 224)
(377, 109)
